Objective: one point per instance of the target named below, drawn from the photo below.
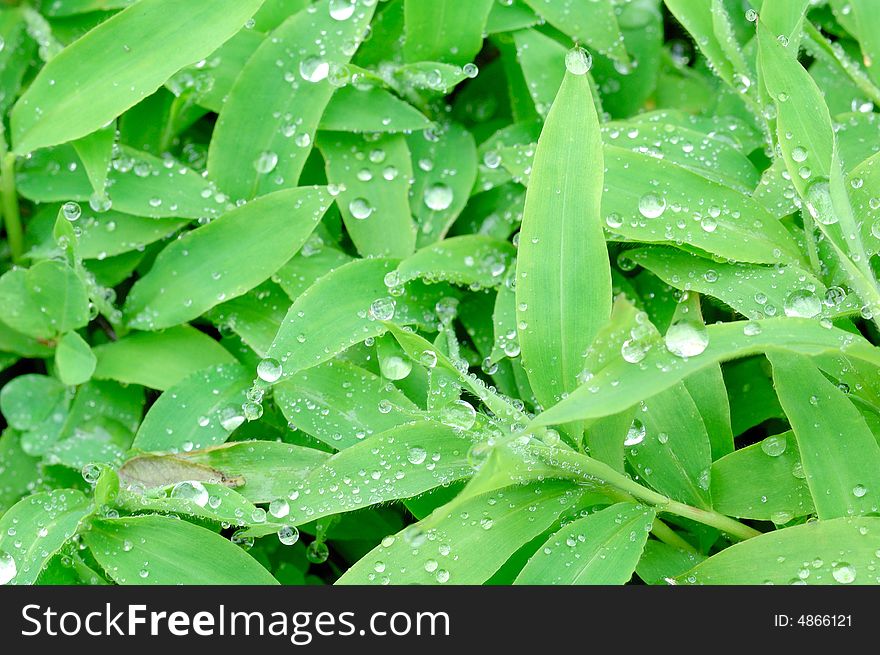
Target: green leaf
(150, 472)
(443, 176)
(374, 178)
(96, 150)
(352, 109)
(660, 562)
(157, 550)
(255, 316)
(269, 469)
(74, 359)
(45, 300)
(444, 30)
(36, 528)
(444, 548)
(267, 125)
(310, 400)
(602, 548)
(343, 300)
(840, 455)
(660, 369)
(764, 481)
(840, 551)
(194, 273)
(199, 411)
(563, 290)
(429, 455)
(593, 23)
(472, 260)
(164, 357)
(28, 400)
(123, 60)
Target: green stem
(577, 466)
(9, 201)
(670, 537)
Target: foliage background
(292, 291)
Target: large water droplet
(687, 338)
(578, 61)
(818, 197)
(314, 69)
(266, 162)
(635, 434)
(775, 445)
(416, 455)
(459, 414)
(360, 208)
(844, 573)
(71, 211)
(652, 205)
(341, 9)
(288, 535)
(382, 309)
(802, 303)
(191, 490)
(269, 370)
(438, 197)
(317, 552)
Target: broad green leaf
(335, 313)
(669, 446)
(123, 60)
(110, 233)
(138, 183)
(602, 548)
(269, 469)
(45, 300)
(165, 357)
(157, 550)
(36, 528)
(16, 57)
(95, 150)
(427, 454)
(563, 290)
(750, 390)
(74, 360)
(839, 551)
(19, 469)
(195, 273)
(472, 260)
(753, 290)
(660, 369)
(540, 57)
(27, 400)
(446, 548)
(660, 562)
(708, 392)
(444, 30)
(839, 453)
(310, 400)
(593, 23)
(506, 17)
(444, 170)
(314, 261)
(266, 127)
(763, 481)
(867, 23)
(199, 411)
(373, 176)
(370, 110)
(255, 316)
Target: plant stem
(577, 466)
(670, 537)
(9, 201)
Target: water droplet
(266, 162)
(635, 434)
(752, 329)
(317, 552)
(252, 410)
(360, 208)
(192, 491)
(687, 338)
(614, 220)
(382, 309)
(775, 445)
(799, 154)
(652, 205)
(859, 491)
(438, 197)
(8, 570)
(279, 508)
(314, 69)
(459, 414)
(288, 535)
(269, 370)
(578, 61)
(478, 454)
(844, 573)
(428, 358)
(416, 455)
(802, 303)
(230, 418)
(91, 473)
(819, 204)
(341, 9)
(71, 211)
